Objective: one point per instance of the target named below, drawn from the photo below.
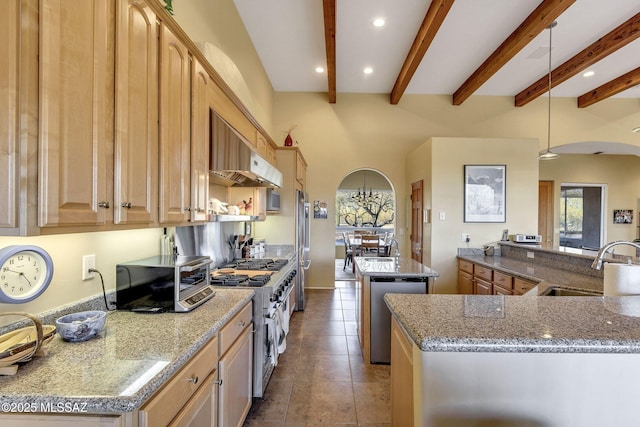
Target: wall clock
(25, 273)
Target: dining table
(355, 242)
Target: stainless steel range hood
(233, 162)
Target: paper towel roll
(621, 279)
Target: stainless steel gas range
(273, 281)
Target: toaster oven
(164, 283)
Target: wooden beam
(606, 45)
(624, 82)
(534, 24)
(434, 18)
(329, 10)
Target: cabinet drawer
(522, 286)
(483, 272)
(502, 280)
(465, 266)
(233, 328)
(165, 404)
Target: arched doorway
(365, 200)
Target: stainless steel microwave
(273, 200)
(164, 283)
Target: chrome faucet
(393, 242)
(597, 263)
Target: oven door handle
(196, 267)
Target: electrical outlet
(530, 255)
(466, 237)
(88, 262)
(443, 216)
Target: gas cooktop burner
(257, 264)
(240, 280)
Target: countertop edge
(122, 404)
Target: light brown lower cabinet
(481, 280)
(401, 377)
(236, 381)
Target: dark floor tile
(369, 373)
(318, 368)
(324, 344)
(373, 402)
(324, 315)
(322, 403)
(273, 405)
(324, 327)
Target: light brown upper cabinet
(200, 141)
(136, 140)
(175, 129)
(9, 90)
(76, 112)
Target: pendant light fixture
(549, 155)
(362, 198)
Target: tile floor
(320, 380)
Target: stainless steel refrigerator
(302, 245)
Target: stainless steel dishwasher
(380, 314)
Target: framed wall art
(320, 210)
(623, 216)
(485, 193)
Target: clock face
(24, 274)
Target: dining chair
(348, 251)
(370, 244)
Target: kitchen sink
(564, 292)
(378, 259)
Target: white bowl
(81, 326)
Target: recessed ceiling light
(319, 70)
(588, 73)
(378, 22)
(367, 70)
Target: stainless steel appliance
(163, 283)
(273, 200)
(527, 238)
(234, 163)
(273, 283)
(302, 245)
(380, 314)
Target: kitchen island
(106, 380)
(539, 361)
(377, 276)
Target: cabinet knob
(242, 323)
(188, 209)
(219, 382)
(193, 379)
(103, 205)
(127, 205)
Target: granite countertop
(494, 323)
(546, 276)
(126, 364)
(380, 267)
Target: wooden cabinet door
(76, 112)
(136, 140)
(465, 283)
(483, 288)
(201, 410)
(9, 166)
(236, 381)
(401, 377)
(200, 142)
(175, 129)
(301, 171)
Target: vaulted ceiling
(449, 47)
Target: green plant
(168, 5)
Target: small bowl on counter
(76, 327)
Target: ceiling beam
(536, 22)
(434, 18)
(624, 82)
(606, 45)
(329, 11)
